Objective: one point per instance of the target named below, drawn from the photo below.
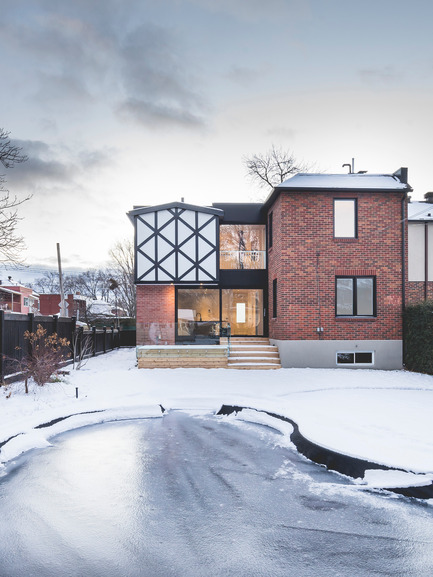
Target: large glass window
(345, 218)
(242, 246)
(355, 296)
(198, 313)
(243, 309)
(199, 318)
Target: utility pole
(62, 294)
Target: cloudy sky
(120, 103)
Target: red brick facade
(155, 314)
(49, 305)
(417, 292)
(305, 258)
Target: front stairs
(253, 353)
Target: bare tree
(122, 268)
(274, 167)
(11, 244)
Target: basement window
(355, 358)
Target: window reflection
(242, 246)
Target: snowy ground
(380, 416)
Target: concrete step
(254, 366)
(253, 353)
(255, 360)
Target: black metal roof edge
(146, 209)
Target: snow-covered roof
(420, 211)
(344, 181)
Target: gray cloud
(81, 52)
(253, 10)
(378, 76)
(158, 88)
(53, 172)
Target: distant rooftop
(420, 211)
(344, 181)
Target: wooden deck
(182, 356)
(245, 353)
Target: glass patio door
(243, 309)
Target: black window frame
(355, 216)
(274, 298)
(355, 296)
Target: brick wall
(155, 314)
(305, 258)
(416, 292)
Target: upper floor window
(242, 246)
(26, 301)
(355, 296)
(345, 218)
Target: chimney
(429, 197)
(401, 174)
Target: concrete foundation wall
(322, 354)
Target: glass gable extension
(242, 246)
(202, 313)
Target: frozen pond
(193, 496)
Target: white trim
(354, 364)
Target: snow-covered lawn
(381, 416)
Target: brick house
(76, 305)
(420, 250)
(18, 299)
(319, 268)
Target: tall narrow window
(345, 218)
(270, 229)
(355, 296)
(274, 298)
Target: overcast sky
(120, 103)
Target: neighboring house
(76, 305)
(319, 268)
(420, 250)
(19, 299)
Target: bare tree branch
(274, 167)
(11, 244)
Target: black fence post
(31, 329)
(104, 329)
(73, 338)
(94, 341)
(55, 323)
(2, 348)
(112, 337)
(80, 338)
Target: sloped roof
(145, 209)
(344, 182)
(420, 211)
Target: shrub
(418, 337)
(46, 355)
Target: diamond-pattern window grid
(191, 258)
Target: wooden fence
(13, 345)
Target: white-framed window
(345, 218)
(355, 358)
(26, 301)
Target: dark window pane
(364, 358)
(345, 358)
